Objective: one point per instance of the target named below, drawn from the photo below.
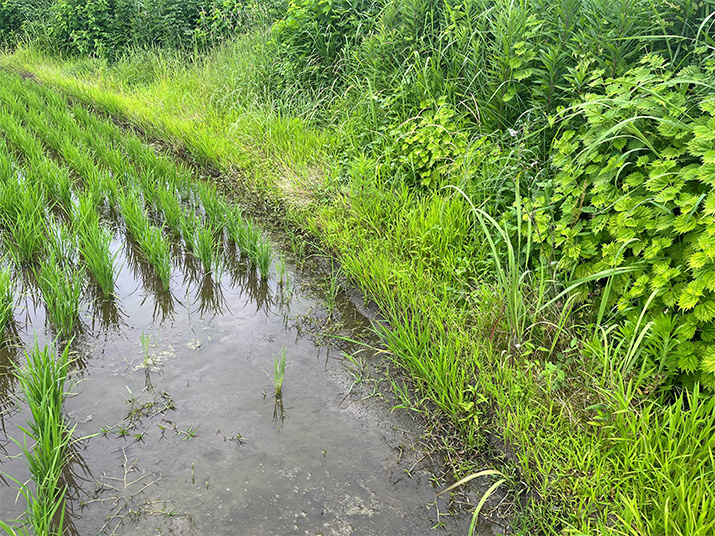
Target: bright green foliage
(634, 190)
(314, 33)
(424, 147)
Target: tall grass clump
(43, 387)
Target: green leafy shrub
(311, 38)
(634, 192)
(20, 17)
(109, 27)
(424, 148)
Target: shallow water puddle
(186, 437)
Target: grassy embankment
(359, 143)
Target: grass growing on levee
(523, 363)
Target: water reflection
(105, 311)
(164, 302)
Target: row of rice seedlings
(50, 119)
(207, 249)
(53, 182)
(246, 236)
(11, 125)
(63, 136)
(94, 244)
(23, 218)
(160, 175)
(150, 238)
(7, 300)
(43, 387)
(60, 284)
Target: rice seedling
(279, 367)
(207, 249)
(281, 270)
(156, 251)
(61, 288)
(215, 208)
(43, 388)
(170, 207)
(145, 342)
(189, 227)
(133, 213)
(94, 242)
(26, 237)
(236, 228)
(263, 258)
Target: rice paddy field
(156, 372)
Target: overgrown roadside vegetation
(525, 189)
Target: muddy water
(187, 438)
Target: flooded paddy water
(178, 428)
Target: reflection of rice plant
(61, 288)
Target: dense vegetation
(525, 188)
